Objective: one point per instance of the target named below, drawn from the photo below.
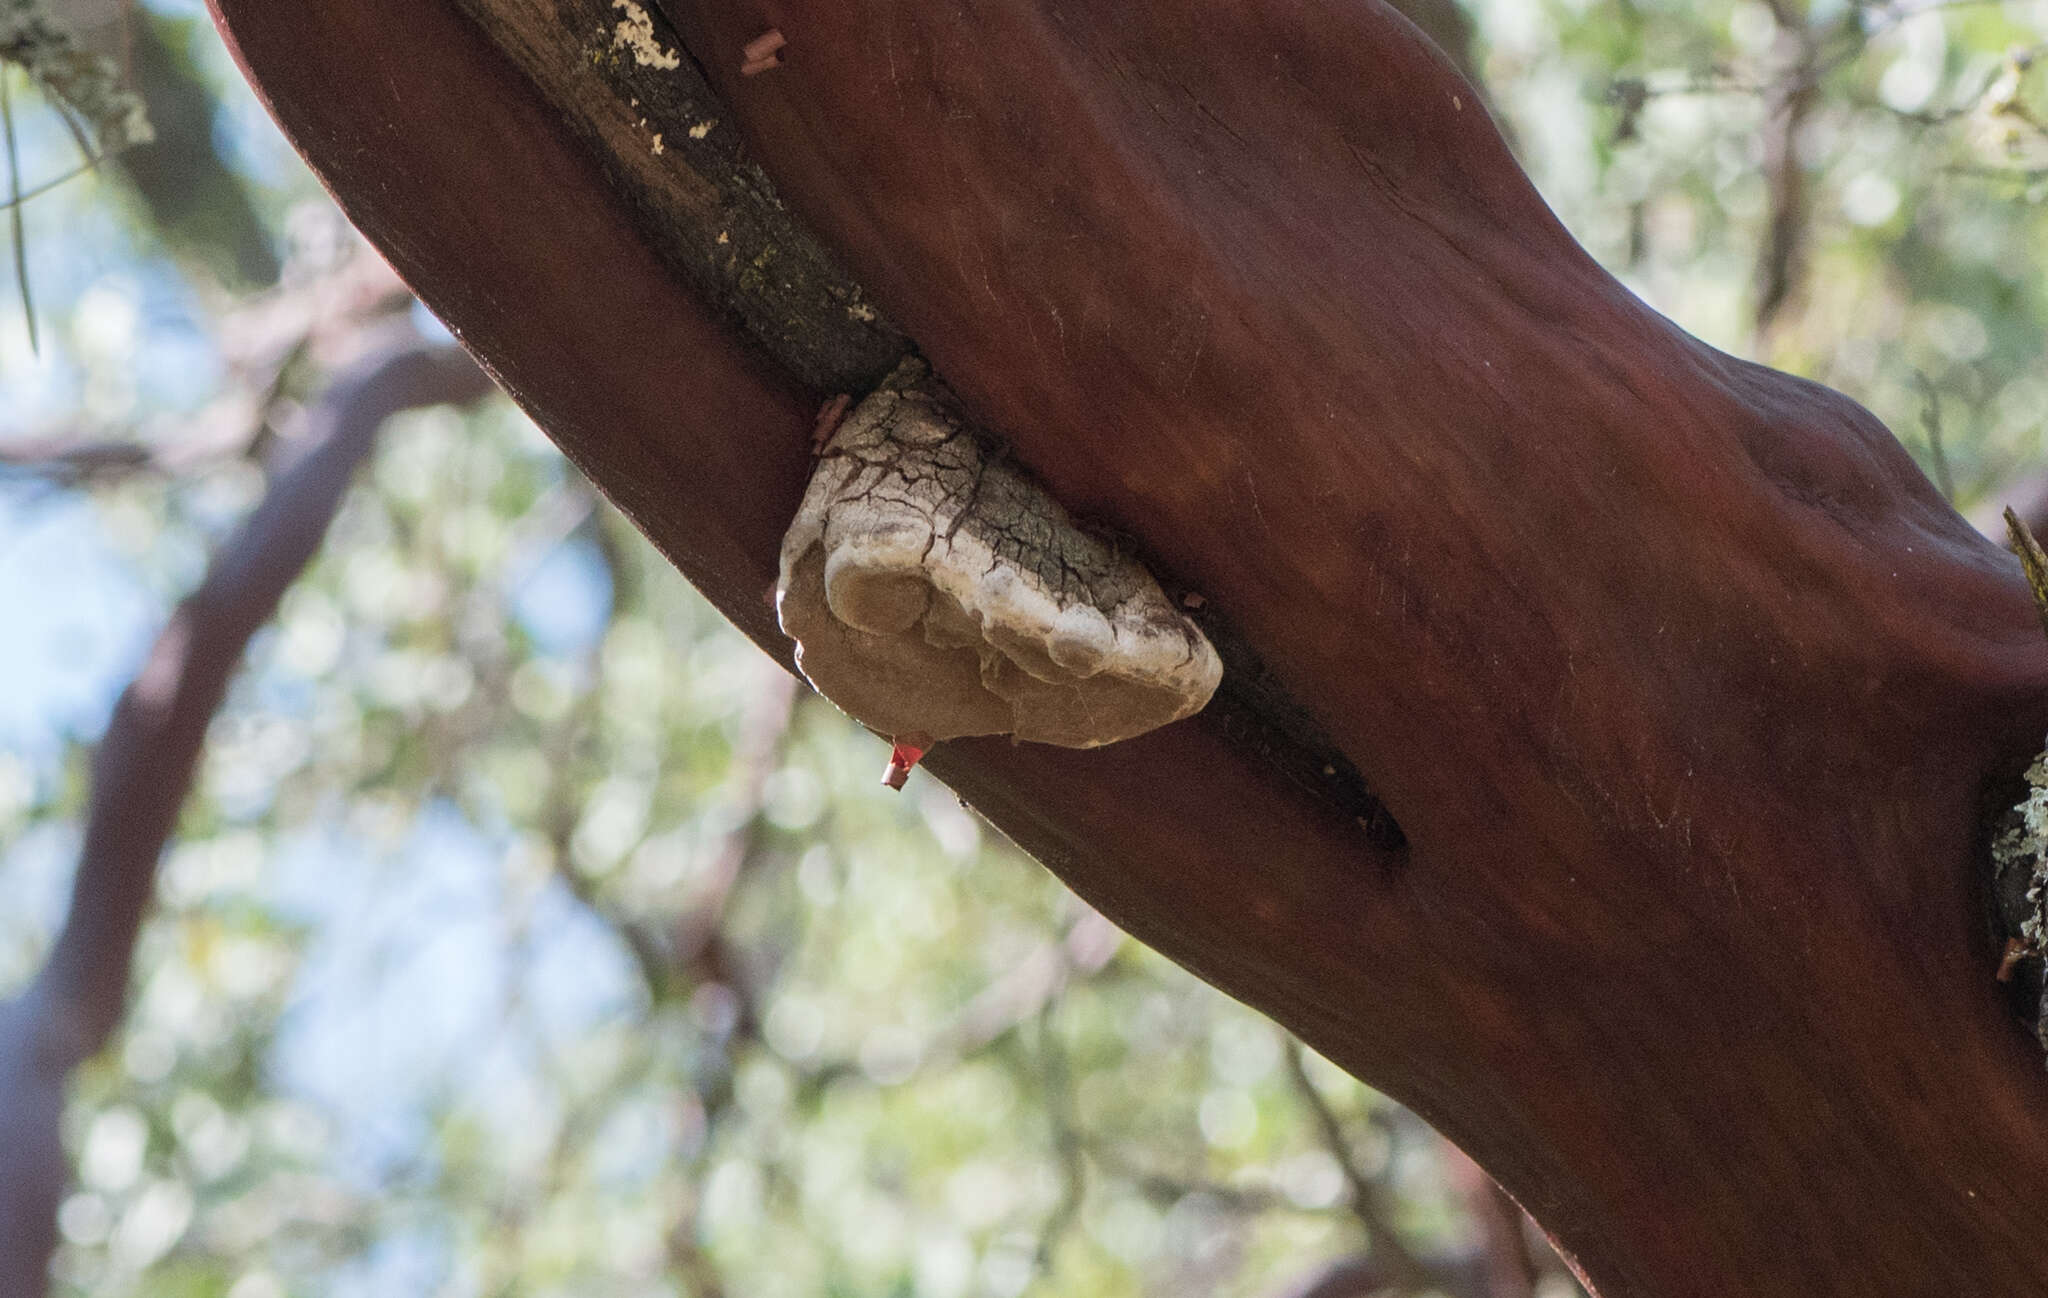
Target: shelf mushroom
(935, 591)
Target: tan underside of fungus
(932, 590)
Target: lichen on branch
(87, 84)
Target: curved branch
(1682, 681)
(144, 769)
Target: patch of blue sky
(564, 601)
(36, 869)
(433, 330)
(576, 972)
(423, 962)
(399, 990)
(264, 686)
(406, 1260)
(74, 624)
(177, 364)
(103, 309)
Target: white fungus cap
(932, 590)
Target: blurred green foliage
(1925, 164)
(525, 935)
(914, 1066)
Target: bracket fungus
(935, 591)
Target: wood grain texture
(1682, 681)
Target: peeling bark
(1684, 684)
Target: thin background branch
(144, 769)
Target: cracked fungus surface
(931, 587)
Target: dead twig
(1366, 1200)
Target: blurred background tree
(527, 931)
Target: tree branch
(1372, 1277)
(1366, 1201)
(144, 769)
(198, 203)
(1684, 684)
(1511, 1269)
(1788, 103)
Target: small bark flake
(762, 53)
(905, 752)
(2015, 951)
(829, 416)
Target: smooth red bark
(1683, 683)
